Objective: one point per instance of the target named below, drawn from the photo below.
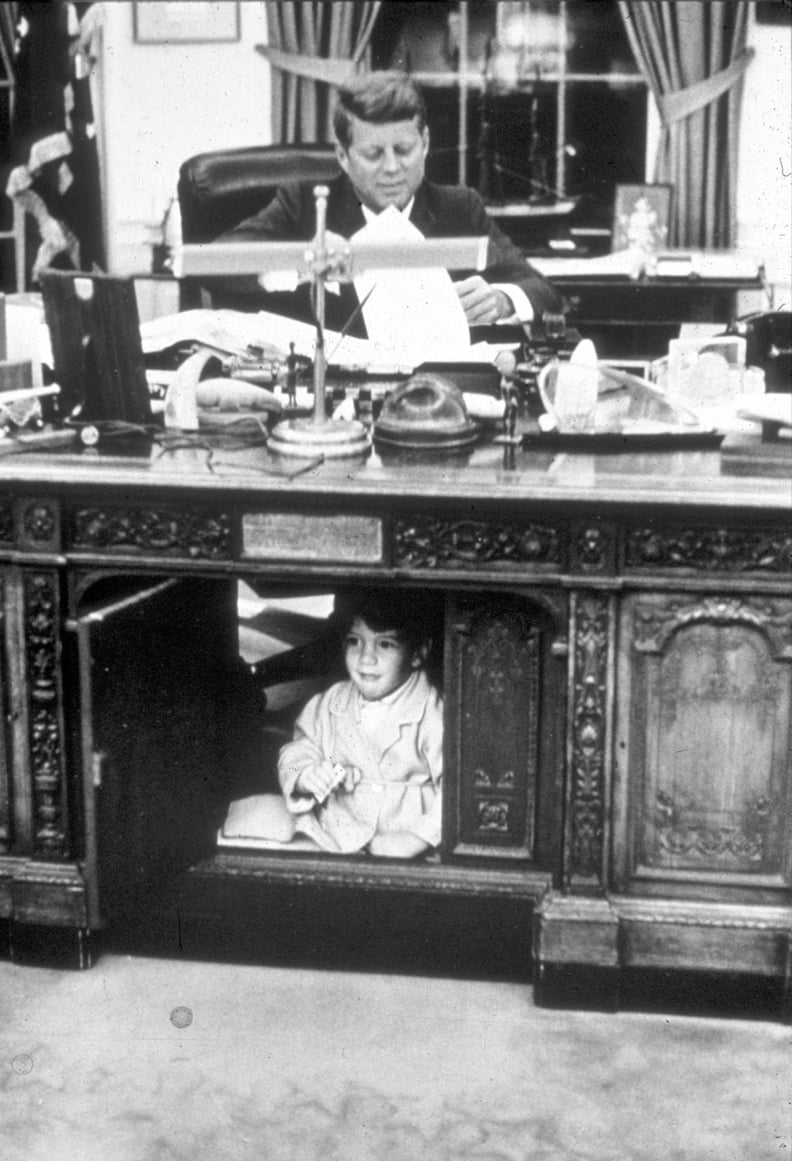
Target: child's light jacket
(400, 764)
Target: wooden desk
(635, 320)
(618, 691)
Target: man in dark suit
(382, 142)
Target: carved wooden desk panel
(618, 678)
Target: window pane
(606, 130)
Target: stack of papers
(234, 332)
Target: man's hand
(482, 303)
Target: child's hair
(414, 614)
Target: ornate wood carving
(39, 523)
(497, 695)
(735, 840)
(590, 645)
(44, 713)
(734, 550)
(593, 548)
(431, 542)
(6, 522)
(654, 623)
(163, 531)
(712, 710)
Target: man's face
(385, 163)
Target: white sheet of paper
(411, 316)
(231, 332)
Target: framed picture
(185, 21)
(627, 196)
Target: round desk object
(308, 439)
(774, 412)
(428, 411)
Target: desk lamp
(320, 435)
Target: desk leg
(786, 998)
(579, 986)
(36, 945)
(576, 954)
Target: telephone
(768, 344)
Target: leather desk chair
(219, 189)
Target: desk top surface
(221, 467)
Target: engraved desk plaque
(289, 536)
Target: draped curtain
(313, 46)
(694, 58)
(8, 20)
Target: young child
(365, 765)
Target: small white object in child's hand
(339, 773)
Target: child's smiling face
(378, 662)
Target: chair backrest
(217, 190)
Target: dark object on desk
(427, 411)
(768, 453)
(615, 442)
(98, 359)
(482, 377)
(768, 345)
(627, 319)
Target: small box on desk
(96, 347)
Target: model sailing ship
(540, 198)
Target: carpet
(144, 1059)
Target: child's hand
(350, 778)
(318, 780)
(398, 844)
(324, 777)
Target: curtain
(694, 58)
(50, 165)
(8, 22)
(313, 46)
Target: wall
(162, 103)
(764, 182)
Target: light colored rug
(153, 1060)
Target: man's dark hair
(378, 97)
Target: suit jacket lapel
(422, 215)
(344, 215)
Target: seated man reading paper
(382, 145)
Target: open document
(412, 312)
(232, 332)
(411, 316)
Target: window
(528, 102)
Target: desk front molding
(562, 542)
